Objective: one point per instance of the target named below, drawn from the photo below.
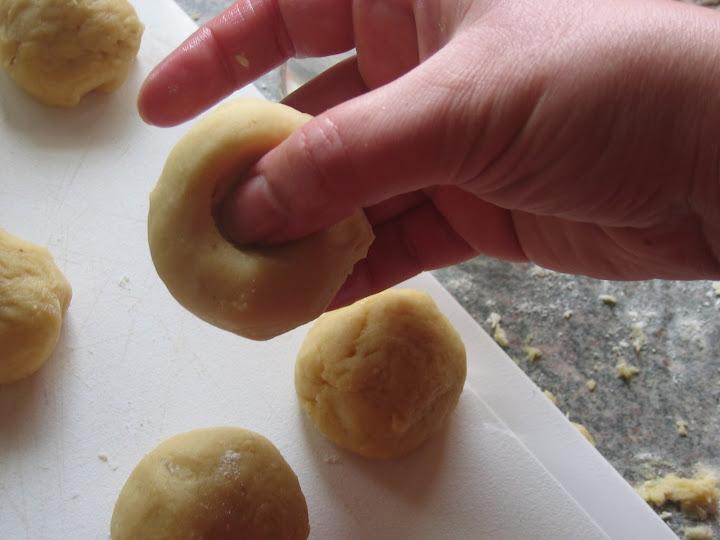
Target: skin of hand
(581, 135)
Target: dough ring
(256, 292)
(221, 482)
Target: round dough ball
(33, 298)
(214, 483)
(59, 50)
(381, 376)
(256, 292)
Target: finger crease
(283, 39)
(223, 57)
(511, 146)
(329, 132)
(516, 236)
(409, 248)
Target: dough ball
(59, 50)
(219, 483)
(256, 292)
(381, 376)
(33, 298)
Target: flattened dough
(59, 50)
(254, 292)
(216, 483)
(33, 298)
(381, 376)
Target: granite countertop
(675, 326)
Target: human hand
(583, 136)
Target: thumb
(393, 140)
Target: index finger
(248, 39)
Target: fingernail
(250, 213)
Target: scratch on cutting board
(93, 344)
(65, 243)
(61, 442)
(128, 339)
(20, 509)
(359, 524)
(163, 419)
(75, 217)
(23, 506)
(199, 367)
(166, 331)
(128, 217)
(71, 180)
(96, 300)
(137, 301)
(76, 375)
(81, 162)
(125, 150)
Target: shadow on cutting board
(410, 478)
(98, 120)
(28, 408)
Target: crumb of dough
(591, 384)
(567, 315)
(494, 319)
(697, 496)
(242, 60)
(500, 337)
(550, 396)
(716, 288)
(499, 334)
(584, 432)
(533, 354)
(681, 427)
(699, 532)
(103, 457)
(638, 338)
(626, 371)
(608, 300)
(665, 516)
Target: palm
(566, 184)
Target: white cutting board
(133, 368)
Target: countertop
(634, 423)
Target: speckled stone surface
(634, 423)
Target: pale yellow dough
(697, 496)
(33, 298)
(381, 376)
(221, 483)
(254, 292)
(59, 50)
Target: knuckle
(209, 35)
(326, 156)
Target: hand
(581, 135)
